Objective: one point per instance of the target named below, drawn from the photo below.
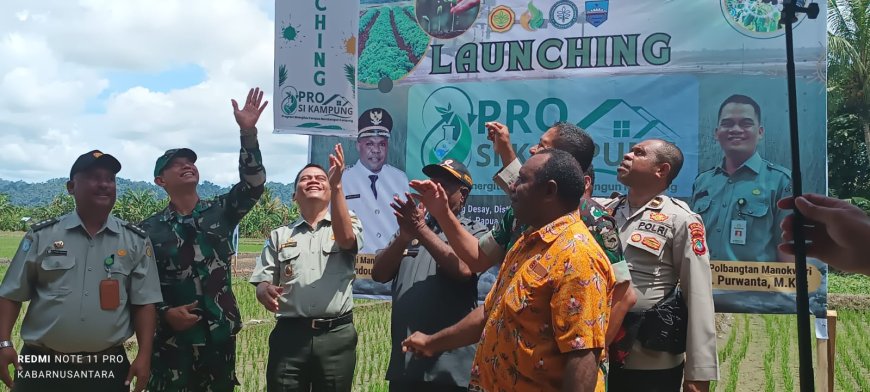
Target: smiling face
(372, 152)
(93, 189)
(739, 130)
(179, 172)
(313, 184)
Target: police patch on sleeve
(696, 232)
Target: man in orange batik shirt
(547, 314)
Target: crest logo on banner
(563, 14)
(447, 115)
(756, 18)
(596, 12)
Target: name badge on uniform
(110, 294)
(738, 232)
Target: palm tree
(849, 58)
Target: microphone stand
(789, 16)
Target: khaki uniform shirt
(58, 268)
(315, 273)
(665, 245)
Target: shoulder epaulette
(779, 168)
(43, 224)
(136, 229)
(682, 205)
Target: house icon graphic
(617, 119)
(616, 126)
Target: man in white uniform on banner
(370, 184)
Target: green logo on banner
(447, 114)
(756, 18)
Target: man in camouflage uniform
(194, 349)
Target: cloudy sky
(134, 78)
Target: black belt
(320, 323)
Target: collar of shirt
(552, 230)
(73, 220)
(754, 163)
(300, 221)
(366, 170)
(169, 214)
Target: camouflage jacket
(601, 225)
(193, 254)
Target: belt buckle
(314, 323)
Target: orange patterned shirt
(552, 296)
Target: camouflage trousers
(207, 368)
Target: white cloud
(56, 57)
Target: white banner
(315, 67)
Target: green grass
(9, 241)
(772, 338)
(251, 245)
(848, 284)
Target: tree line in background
(848, 81)
(136, 205)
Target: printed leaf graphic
(282, 75)
(350, 75)
(537, 20)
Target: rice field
(756, 352)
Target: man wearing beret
(195, 346)
(371, 183)
(91, 282)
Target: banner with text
(708, 75)
(315, 67)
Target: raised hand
(433, 196)
(336, 167)
(409, 216)
(248, 115)
(500, 136)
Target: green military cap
(168, 155)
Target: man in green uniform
(86, 274)
(304, 275)
(195, 346)
(737, 199)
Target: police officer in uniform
(370, 184)
(664, 246)
(738, 197)
(91, 282)
(304, 275)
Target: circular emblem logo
(501, 19)
(563, 14)
(289, 103)
(756, 18)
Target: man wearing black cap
(432, 287)
(195, 345)
(370, 184)
(86, 274)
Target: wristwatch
(6, 343)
